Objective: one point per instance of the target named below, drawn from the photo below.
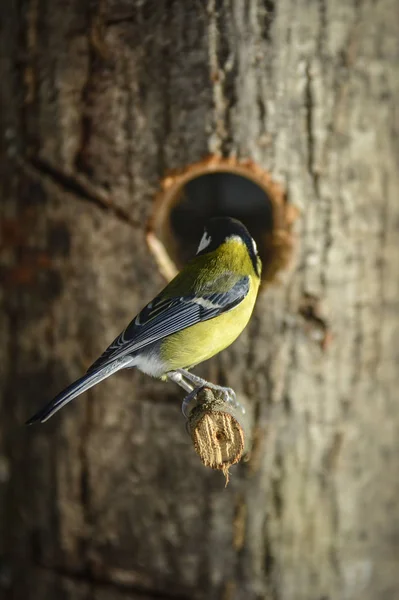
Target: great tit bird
(198, 314)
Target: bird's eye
(204, 243)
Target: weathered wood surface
(109, 500)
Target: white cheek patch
(204, 243)
(255, 247)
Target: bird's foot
(193, 384)
(196, 383)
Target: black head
(220, 229)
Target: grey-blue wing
(163, 317)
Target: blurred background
(108, 500)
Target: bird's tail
(78, 387)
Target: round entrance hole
(220, 187)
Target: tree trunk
(108, 500)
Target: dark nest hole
(190, 199)
(218, 195)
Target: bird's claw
(228, 396)
(190, 402)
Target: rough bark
(108, 499)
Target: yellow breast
(199, 342)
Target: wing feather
(164, 316)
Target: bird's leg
(197, 381)
(189, 402)
(228, 393)
(178, 378)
